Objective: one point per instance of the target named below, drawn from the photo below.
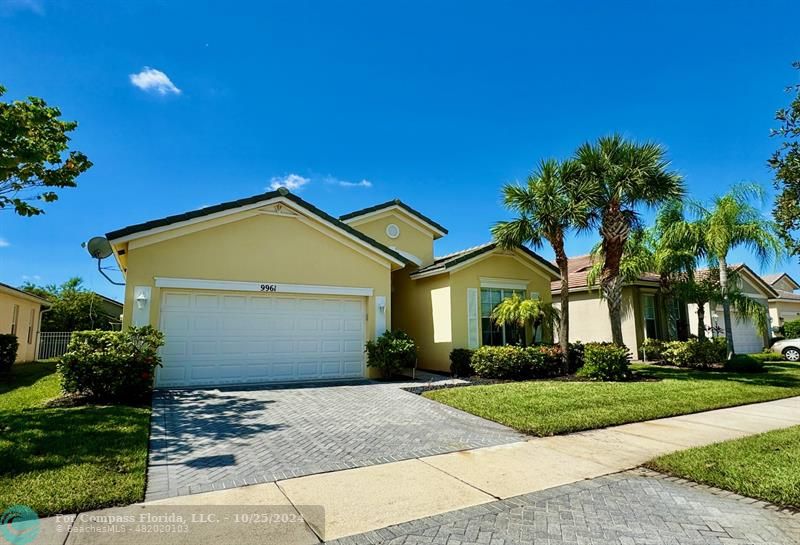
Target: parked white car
(790, 348)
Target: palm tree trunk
(701, 320)
(726, 305)
(563, 328)
(615, 233)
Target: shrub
(791, 329)
(115, 366)
(460, 365)
(516, 362)
(606, 361)
(695, 353)
(391, 352)
(652, 349)
(575, 356)
(8, 351)
(745, 363)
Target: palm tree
(624, 176)
(554, 201)
(731, 221)
(704, 289)
(523, 312)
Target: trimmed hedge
(460, 362)
(111, 366)
(517, 362)
(391, 352)
(746, 363)
(652, 350)
(694, 353)
(8, 351)
(791, 329)
(606, 361)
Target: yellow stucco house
(644, 312)
(784, 305)
(271, 289)
(20, 315)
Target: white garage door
(746, 339)
(215, 338)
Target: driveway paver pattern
(638, 507)
(203, 440)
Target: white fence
(53, 344)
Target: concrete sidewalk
(345, 503)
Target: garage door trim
(236, 285)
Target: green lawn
(62, 460)
(548, 407)
(765, 466)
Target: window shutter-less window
(472, 318)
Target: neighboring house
(112, 309)
(20, 315)
(644, 314)
(786, 306)
(746, 338)
(271, 288)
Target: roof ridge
(394, 202)
(459, 252)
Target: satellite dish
(99, 247)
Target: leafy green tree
(624, 176)
(73, 307)
(553, 202)
(524, 312)
(786, 164)
(32, 142)
(730, 221)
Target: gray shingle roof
(281, 192)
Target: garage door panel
(224, 338)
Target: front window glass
(650, 316)
(493, 334)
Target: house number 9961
(269, 287)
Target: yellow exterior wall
(257, 248)
(414, 238)
(589, 322)
(416, 309)
(26, 350)
(783, 311)
(494, 266)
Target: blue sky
(437, 103)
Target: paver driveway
(637, 507)
(205, 440)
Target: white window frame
(30, 325)
(503, 290)
(14, 319)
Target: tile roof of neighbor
(389, 204)
(788, 295)
(579, 267)
(448, 261)
(25, 294)
(280, 192)
(772, 278)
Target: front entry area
(218, 338)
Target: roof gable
(450, 261)
(204, 214)
(436, 229)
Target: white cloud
(156, 81)
(344, 183)
(31, 278)
(4, 243)
(292, 182)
